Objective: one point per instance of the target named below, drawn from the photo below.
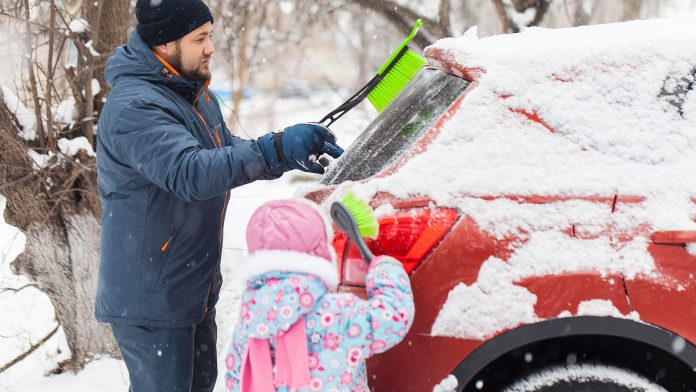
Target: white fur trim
(265, 261)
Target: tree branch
(32, 77)
(403, 18)
(31, 350)
(49, 78)
(19, 289)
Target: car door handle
(675, 237)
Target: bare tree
(404, 17)
(56, 204)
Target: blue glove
(299, 147)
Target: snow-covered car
(540, 189)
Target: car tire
(584, 377)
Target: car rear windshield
(416, 109)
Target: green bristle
(363, 215)
(396, 79)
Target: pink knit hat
(292, 235)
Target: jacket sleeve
(148, 138)
(386, 316)
(231, 140)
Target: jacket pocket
(166, 248)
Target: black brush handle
(361, 94)
(345, 220)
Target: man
(166, 162)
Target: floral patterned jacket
(342, 329)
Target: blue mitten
(299, 147)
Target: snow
(13, 239)
(78, 26)
(585, 372)
(448, 384)
(90, 45)
(602, 307)
(32, 313)
(25, 117)
(40, 160)
(70, 147)
(65, 112)
(96, 87)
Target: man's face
(191, 54)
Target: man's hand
(299, 147)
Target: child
(293, 335)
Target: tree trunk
(113, 33)
(63, 230)
(62, 258)
(241, 69)
(506, 25)
(631, 9)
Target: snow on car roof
(602, 94)
(598, 88)
(615, 118)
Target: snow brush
(388, 82)
(357, 220)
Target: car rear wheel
(584, 377)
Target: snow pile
(79, 26)
(602, 307)
(70, 147)
(613, 122)
(65, 112)
(25, 117)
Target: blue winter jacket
(165, 162)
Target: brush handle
(345, 220)
(364, 91)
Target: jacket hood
(290, 225)
(273, 302)
(137, 60)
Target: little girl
(293, 334)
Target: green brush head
(363, 215)
(400, 74)
(389, 88)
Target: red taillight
(407, 235)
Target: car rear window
(416, 109)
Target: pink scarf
(292, 362)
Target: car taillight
(407, 235)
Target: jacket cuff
(383, 259)
(267, 146)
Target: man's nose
(209, 50)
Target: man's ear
(165, 50)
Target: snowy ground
(31, 315)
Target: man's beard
(195, 74)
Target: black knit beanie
(162, 21)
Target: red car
(539, 190)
